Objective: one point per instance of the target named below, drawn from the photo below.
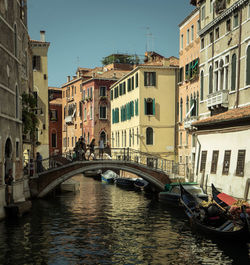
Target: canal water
(103, 224)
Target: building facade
(15, 79)
(55, 121)
(189, 88)
(86, 104)
(223, 156)
(143, 105)
(40, 79)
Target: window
(192, 33)
(72, 141)
(136, 108)
(217, 33)
(111, 94)
(210, 79)
(133, 83)
(198, 25)
(181, 41)
(180, 75)
(226, 162)
(214, 162)
(53, 115)
(17, 102)
(202, 85)
(149, 106)
(129, 84)
(181, 139)
(248, 66)
(228, 25)
(233, 72)
(211, 6)
(149, 136)
(136, 80)
(181, 110)
(203, 161)
(187, 104)
(36, 63)
(85, 114)
(216, 76)
(180, 159)
(80, 109)
(236, 20)
(203, 12)
(120, 89)
(15, 40)
(91, 112)
(17, 149)
(116, 92)
(240, 163)
(202, 43)
(149, 79)
(103, 90)
(187, 36)
(53, 140)
(211, 37)
(103, 112)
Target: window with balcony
(149, 106)
(226, 163)
(149, 78)
(240, 163)
(214, 162)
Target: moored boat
(127, 183)
(172, 193)
(213, 220)
(140, 184)
(109, 177)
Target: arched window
(210, 80)
(181, 110)
(248, 65)
(233, 72)
(202, 85)
(149, 136)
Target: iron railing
(122, 154)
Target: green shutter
(112, 116)
(132, 108)
(145, 106)
(153, 106)
(117, 114)
(136, 107)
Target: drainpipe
(239, 53)
(246, 189)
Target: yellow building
(143, 105)
(40, 77)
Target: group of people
(82, 151)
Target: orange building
(188, 88)
(86, 104)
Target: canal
(103, 224)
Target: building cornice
(223, 15)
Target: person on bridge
(83, 149)
(92, 149)
(101, 148)
(39, 164)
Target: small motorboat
(172, 193)
(96, 174)
(109, 177)
(127, 183)
(211, 219)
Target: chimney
(68, 78)
(42, 35)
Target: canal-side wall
(2, 201)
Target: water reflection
(103, 224)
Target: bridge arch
(49, 180)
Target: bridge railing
(121, 154)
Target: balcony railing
(218, 98)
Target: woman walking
(92, 148)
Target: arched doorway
(7, 156)
(103, 137)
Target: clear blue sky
(82, 32)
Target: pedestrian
(83, 147)
(39, 162)
(101, 148)
(92, 148)
(8, 182)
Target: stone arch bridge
(45, 182)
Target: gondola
(218, 226)
(217, 196)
